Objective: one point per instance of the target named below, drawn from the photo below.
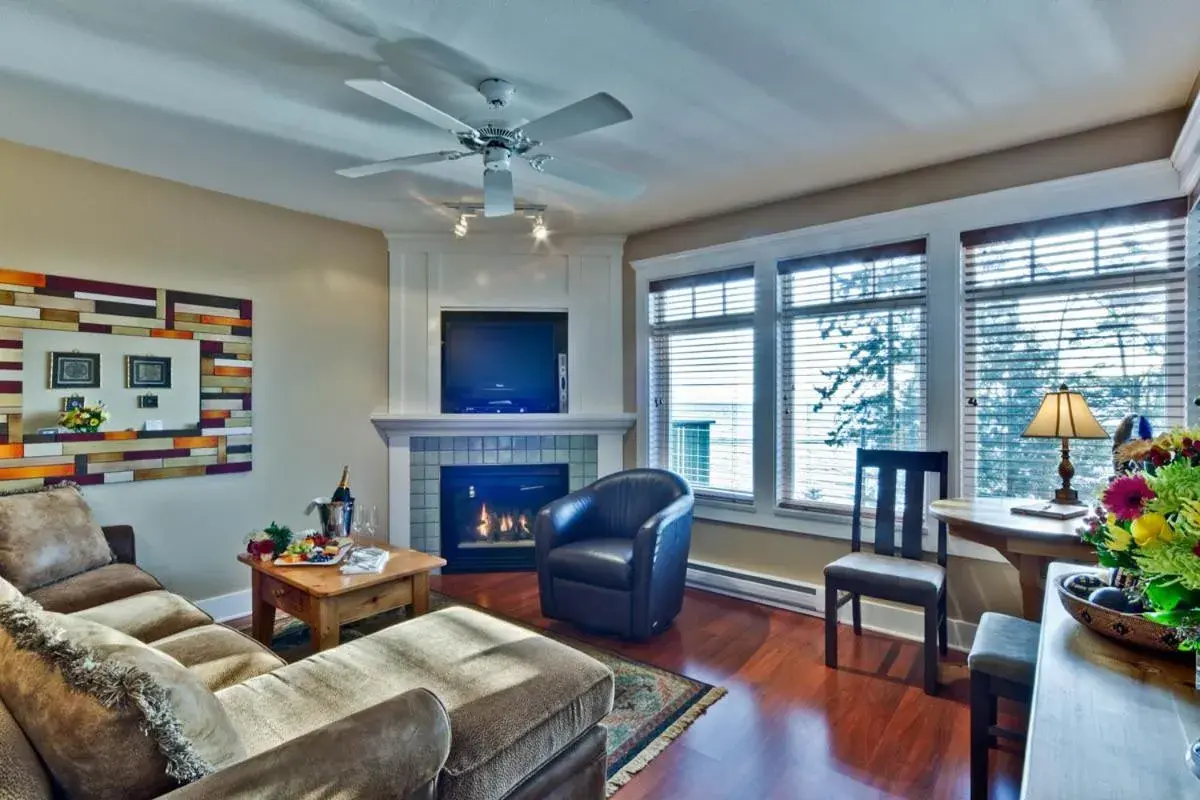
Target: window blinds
(701, 380)
(851, 367)
(1094, 300)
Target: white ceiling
(733, 102)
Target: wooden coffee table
(325, 599)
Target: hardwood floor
(789, 728)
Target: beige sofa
(455, 704)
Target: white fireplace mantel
(392, 425)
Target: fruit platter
(279, 545)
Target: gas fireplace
(487, 513)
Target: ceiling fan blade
(598, 111)
(401, 163)
(382, 90)
(601, 179)
(497, 193)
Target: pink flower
(1126, 495)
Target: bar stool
(1002, 662)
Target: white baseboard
(806, 598)
(225, 607)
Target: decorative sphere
(1110, 597)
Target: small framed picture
(73, 401)
(148, 372)
(74, 370)
(147, 400)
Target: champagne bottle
(342, 493)
(342, 496)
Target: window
(701, 382)
(851, 367)
(1096, 301)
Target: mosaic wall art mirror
(69, 341)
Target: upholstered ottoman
(524, 709)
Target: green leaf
(1176, 618)
(1171, 596)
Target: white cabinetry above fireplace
(429, 275)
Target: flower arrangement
(84, 419)
(1148, 526)
(270, 540)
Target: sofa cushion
(91, 588)
(596, 562)
(109, 716)
(48, 535)
(219, 656)
(22, 775)
(148, 616)
(515, 698)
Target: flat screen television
(503, 362)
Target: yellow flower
(1119, 539)
(1151, 529)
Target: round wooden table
(1029, 543)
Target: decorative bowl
(1131, 629)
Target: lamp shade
(1064, 415)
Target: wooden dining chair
(901, 577)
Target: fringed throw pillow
(112, 718)
(47, 535)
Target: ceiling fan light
(460, 227)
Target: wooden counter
(1108, 722)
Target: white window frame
(941, 224)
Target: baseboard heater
(755, 586)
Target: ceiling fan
(498, 143)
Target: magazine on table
(365, 561)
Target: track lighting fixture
(467, 211)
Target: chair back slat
(885, 513)
(856, 514)
(914, 513)
(915, 464)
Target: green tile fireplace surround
(428, 454)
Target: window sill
(825, 525)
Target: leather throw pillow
(48, 535)
(111, 718)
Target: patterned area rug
(651, 706)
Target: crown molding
(1186, 155)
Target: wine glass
(370, 522)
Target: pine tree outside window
(851, 351)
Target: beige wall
(975, 586)
(320, 342)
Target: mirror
(173, 371)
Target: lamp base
(1067, 497)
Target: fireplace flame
(484, 525)
(491, 523)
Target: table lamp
(1064, 415)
